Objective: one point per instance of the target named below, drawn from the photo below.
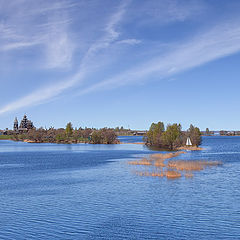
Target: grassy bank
(5, 137)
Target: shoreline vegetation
(161, 165)
(10, 137)
(67, 135)
(172, 137)
(194, 148)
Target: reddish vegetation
(140, 143)
(159, 163)
(159, 156)
(173, 168)
(143, 161)
(172, 174)
(193, 148)
(188, 175)
(151, 174)
(185, 165)
(167, 173)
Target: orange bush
(172, 174)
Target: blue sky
(120, 63)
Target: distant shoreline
(62, 142)
(194, 148)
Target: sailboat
(188, 143)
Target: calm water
(51, 191)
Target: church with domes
(25, 125)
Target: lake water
(80, 191)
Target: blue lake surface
(81, 191)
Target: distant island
(171, 138)
(27, 132)
(221, 133)
(67, 135)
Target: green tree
(60, 137)
(69, 129)
(195, 135)
(154, 134)
(207, 131)
(171, 137)
(97, 137)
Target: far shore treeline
(67, 135)
(172, 137)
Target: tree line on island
(172, 137)
(68, 135)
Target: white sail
(189, 143)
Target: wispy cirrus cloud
(51, 91)
(166, 11)
(213, 44)
(113, 33)
(39, 24)
(110, 33)
(130, 41)
(18, 45)
(38, 96)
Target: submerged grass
(157, 167)
(172, 174)
(160, 156)
(184, 165)
(188, 175)
(143, 162)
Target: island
(171, 138)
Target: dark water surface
(50, 191)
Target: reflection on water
(81, 191)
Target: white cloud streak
(18, 45)
(216, 43)
(27, 24)
(38, 96)
(111, 34)
(42, 95)
(59, 53)
(130, 41)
